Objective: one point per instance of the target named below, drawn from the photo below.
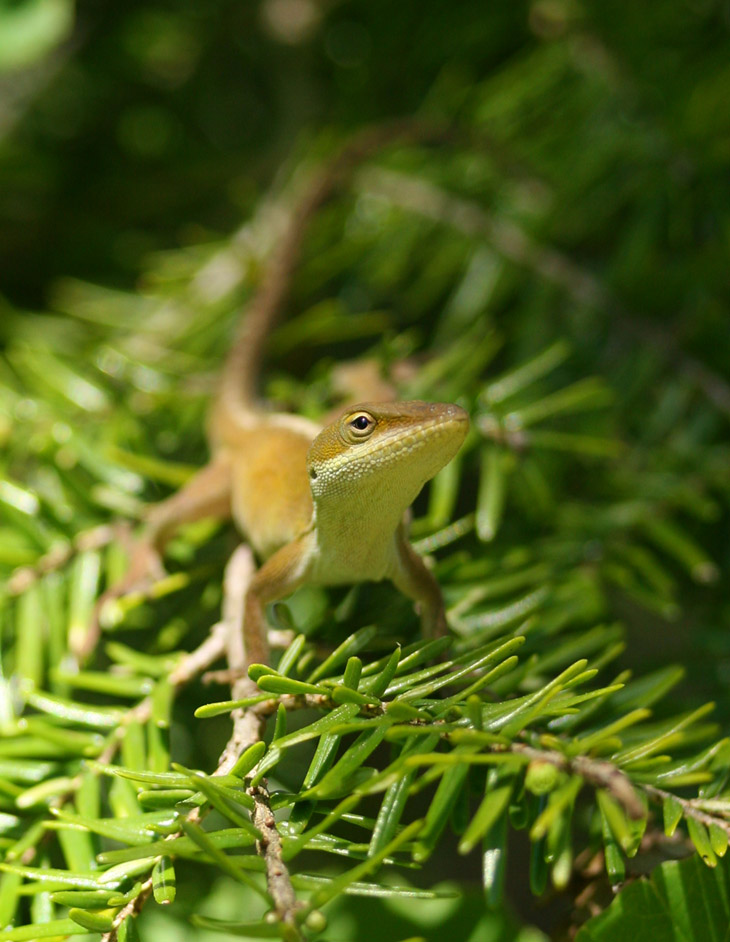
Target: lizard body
(319, 506)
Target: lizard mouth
(413, 440)
(442, 434)
(432, 436)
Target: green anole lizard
(318, 506)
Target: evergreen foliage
(558, 266)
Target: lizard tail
(239, 383)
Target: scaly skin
(318, 506)
(326, 509)
(362, 482)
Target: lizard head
(386, 449)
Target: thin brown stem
(248, 725)
(269, 847)
(129, 911)
(689, 808)
(597, 772)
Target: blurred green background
(149, 125)
(128, 130)
(136, 128)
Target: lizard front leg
(207, 494)
(411, 576)
(279, 576)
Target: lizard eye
(360, 425)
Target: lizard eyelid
(360, 425)
(357, 426)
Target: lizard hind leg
(206, 494)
